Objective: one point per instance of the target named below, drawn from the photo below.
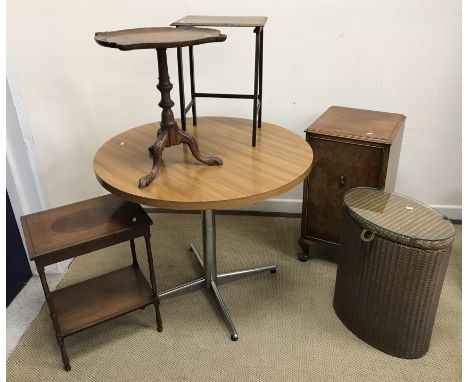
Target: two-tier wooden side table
(281, 160)
(256, 22)
(76, 229)
(352, 148)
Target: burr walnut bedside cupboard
(76, 229)
(352, 148)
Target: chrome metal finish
(211, 277)
(224, 277)
(209, 247)
(197, 255)
(226, 316)
(182, 288)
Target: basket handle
(367, 235)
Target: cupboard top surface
(359, 124)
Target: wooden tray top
(154, 38)
(222, 21)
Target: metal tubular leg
(180, 68)
(209, 246)
(260, 82)
(192, 87)
(223, 277)
(197, 255)
(255, 102)
(182, 288)
(211, 278)
(225, 312)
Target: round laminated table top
(280, 161)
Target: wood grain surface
(79, 224)
(93, 301)
(281, 160)
(157, 38)
(222, 21)
(364, 125)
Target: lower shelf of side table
(93, 301)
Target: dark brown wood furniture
(160, 39)
(74, 230)
(394, 253)
(256, 22)
(352, 148)
(280, 161)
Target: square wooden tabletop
(80, 223)
(221, 21)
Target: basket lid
(399, 218)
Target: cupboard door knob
(342, 180)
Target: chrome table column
(211, 278)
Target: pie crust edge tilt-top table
(280, 161)
(169, 134)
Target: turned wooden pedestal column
(169, 133)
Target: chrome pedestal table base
(212, 279)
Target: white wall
(402, 57)
(22, 185)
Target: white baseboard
(274, 205)
(452, 212)
(295, 206)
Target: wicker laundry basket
(392, 261)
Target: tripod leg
(188, 139)
(158, 148)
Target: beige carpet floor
(287, 328)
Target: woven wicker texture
(399, 218)
(387, 293)
(287, 327)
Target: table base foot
(212, 286)
(182, 288)
(224, 311)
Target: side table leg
(134, 256)
(50, 303)
(153, 283)
(260, 81)
(156, 152)
(255, 102)
(189, 140)
(192, 87)
(180, 68)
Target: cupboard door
(338, 166)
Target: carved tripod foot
(166, 138)
(156, 152)
(188, 139)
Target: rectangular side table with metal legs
(220, 21)
(212, 278)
